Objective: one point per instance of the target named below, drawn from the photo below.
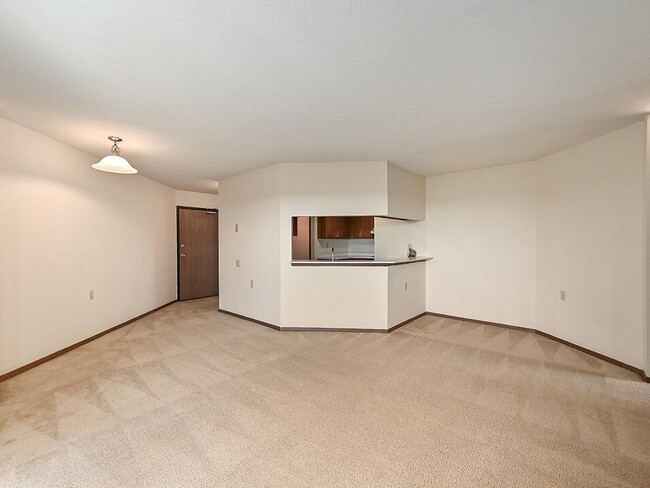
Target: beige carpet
(189, 397)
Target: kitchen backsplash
(344, 248)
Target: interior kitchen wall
(68, 229)
(301, 239)
(340, 188)
(406, 292)
(347, 297)
(406, 194)
(335, 297)
(393, 237)
(263, 202)
(343, 247)
(354, 188)
(505, 241)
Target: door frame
(178, 243)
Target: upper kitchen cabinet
(406, 194)
(345, 227)
(362, 227)
(333, 228)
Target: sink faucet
(332, 254)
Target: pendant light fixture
(114, 163)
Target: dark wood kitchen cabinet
(345, 227)
(333, 228)
(361, 227)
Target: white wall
(194, 199)
(263, 203)
(67, 229)
(251, 201)
(590, 243)
(646, 233)
(335, 297)
(406, 302)
(331, 297)
(342, 188)
(481, 235)
(392, 237)
(406, 194)
(506, 240)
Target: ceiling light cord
(115, 150)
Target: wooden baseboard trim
(38, 362)
(402, 324)
(331, 329)
(483, 322)
(260, 322)
(595, 354)
(320, 329)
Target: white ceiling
(201, 89)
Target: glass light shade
(115, 164)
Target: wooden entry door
(198, 252)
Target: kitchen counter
(380, 261)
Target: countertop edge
(360, 263)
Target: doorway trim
(178, 244)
